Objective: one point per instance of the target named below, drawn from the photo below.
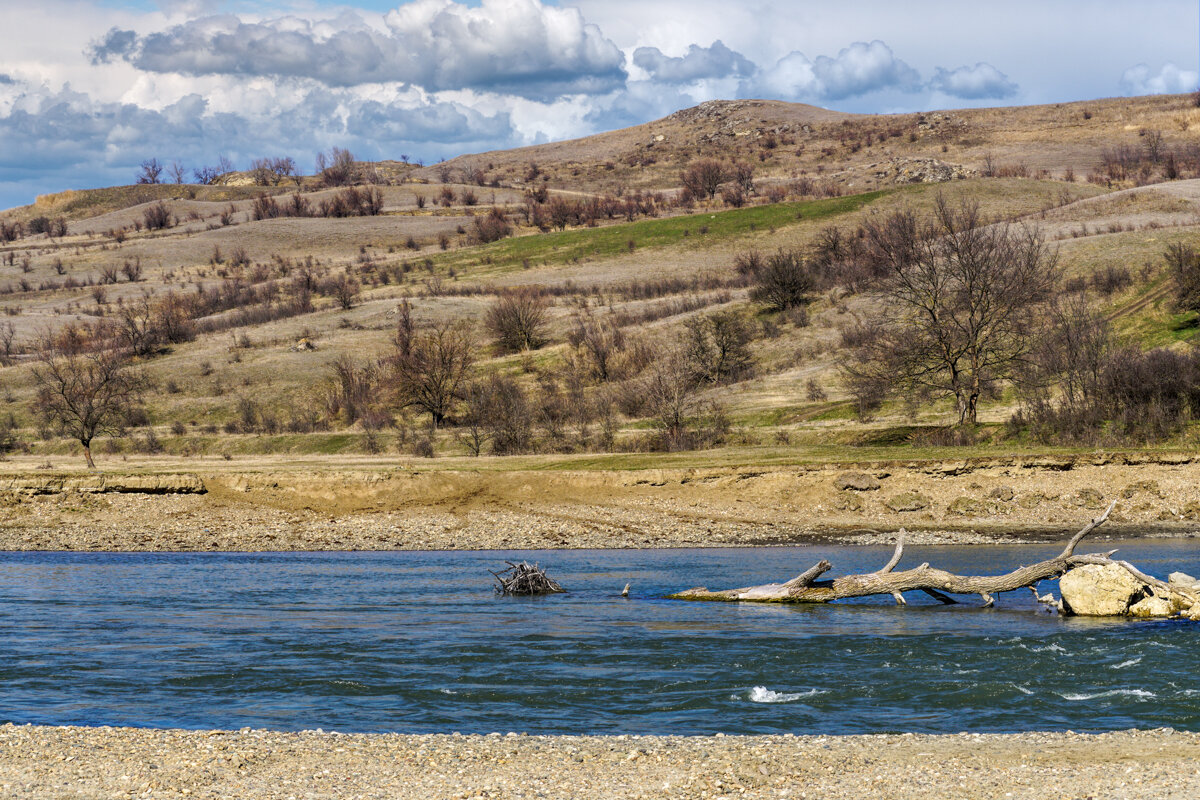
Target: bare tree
(138, 326)
(960, 302)
(8, 333)
(716, 347)
(432, 375)
(497, 411)
(151, 171)
(337, 168)
(344, 290)
(599, 340)
(85, 391)
(518, 320)
(261, 172)
(284, 168)
(703, 178)
(351, 391)
(742, 174)
(177, 171)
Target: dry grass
(1094, 229)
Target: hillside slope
(256, 280)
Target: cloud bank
(516, 46)
(1170, 79)
(435, 78)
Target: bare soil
(381, 506)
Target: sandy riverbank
(46, 762)
(152, 507)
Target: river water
(417, 642)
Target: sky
(91, 88)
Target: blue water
(418, 642)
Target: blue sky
(89, 88)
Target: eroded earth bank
(385, 507)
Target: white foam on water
(1142, 693)
(761, 694)
(447, 691)
(1133, 662)
(1049, 648)
(1022, 689)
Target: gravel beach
(69, 762)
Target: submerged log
(806, 588)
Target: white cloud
(858, 69)
(699, 63)
(1139, 79)
(441, 77)
(980, 82)
(56, 134)
(520, 47)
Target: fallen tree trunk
(806, 588)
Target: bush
(703, 178)
(784, 281)
(491, 227)
(1183, 261)
(157, 216)
(518, 320)
(717, 347)
(1111, 280)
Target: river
(417, 642)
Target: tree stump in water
(525, 579)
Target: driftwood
(523, 579)
(806, 588)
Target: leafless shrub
(337, 167)
(598, 340)
(703, 178)
(717, 347)
(784, 281)
(1111, 279)
(517, 320)
(1183, 262)
(157, 216)
(491, 227)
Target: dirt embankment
(404, 508)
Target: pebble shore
(71, 762)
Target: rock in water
(1100, 590)
(1153, 606)
(1184, 580)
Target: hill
(291, 294)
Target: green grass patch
(835, 411)
(1149, 320)
(700, 229)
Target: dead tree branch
(805, 588)
(525, 578)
